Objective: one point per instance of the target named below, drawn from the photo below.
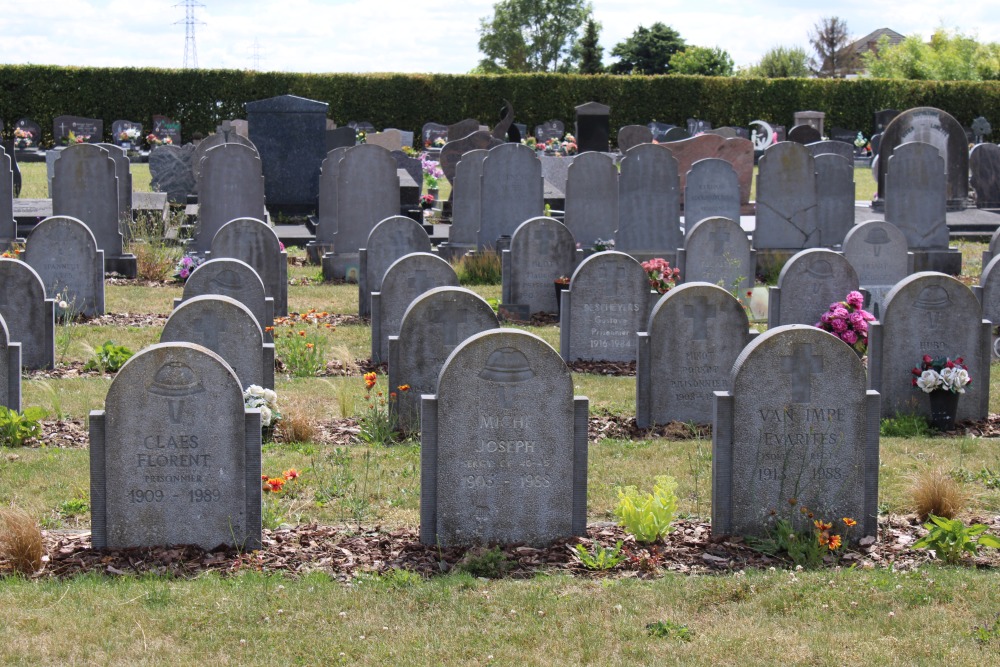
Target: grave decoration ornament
(943, 379)
(848, 321)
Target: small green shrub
(600, 557)
(666, 629)
(108, 358)
(479, 268)
(648, 516)
(905, 426)
(949, 539)
(987, 632)
(490, 564)
(74, 507)
(16, 428)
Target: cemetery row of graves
(368, 336)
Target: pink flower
(824, 319)
(840, 312)
(849, 337)
(839, 324)
(855, 299)
(856, 319)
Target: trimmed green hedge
(201, 99)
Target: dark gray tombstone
(127, 134)
(123, 172)
(431, 132)
(808, 283)
(984, 174)
(550, 129)
(787, 215)
(804, 134)
(834, 146)
(541, 250)
(341, 137)
(980, 129)
(881, 120)
(237, 280)
(164, 127)
(633, 135)
(434, 324)
(503, 447)
(843, 135)
(555, 170)
(511, 192)
(27, 134)
(8, 226)
(988, 293)
(391, 140)
(389, 240)
(228, 328)
(171, 170)
(29, 315)
(916, 182)
(361, 126)
(737, 152)
(716, 250)
(405, 279)
(411, 165)
(15, 170)
(591, 197)
(797, 430)
(230, 186)
(466, 207)
(84, 130)
(454, 151)
(462, 128)
(593, 127)
(10, 370)
(834, 197)
(929, 313)
(224, 134)
(289, 133)
(695, 126)
(175, 456)
(64, 253)
(659, 130)
(253, 242)
(694, 335)
(712, 189)
(649, 204)
(326, 219)
(606, 304)
(676, 134)
(878, 252)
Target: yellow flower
(370, 379)
(834, 542)
(822, 525)
(849, 522)
(404, 387)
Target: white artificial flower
(959, 378)
(255, 390)
(270, 397)
(265, 415)
(929, 381)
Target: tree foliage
(781, 62)
(703, 61)
(831, 41)
(647, 51)
(590, 51)
(531, 35)
(949, 56)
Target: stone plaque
(64, 253)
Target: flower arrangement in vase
(848, 321)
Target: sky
(403, 36)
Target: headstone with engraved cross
(389, 240)
(796, 438)
(29, 315)
(236, 279)
(434, 324)
(810, 281)
(541, 250)
(717, 251)
(649, 204)
(64, 253)
(694, 335)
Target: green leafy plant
(302, 348)
(664, 629)
(600, 557)
(950, 539)
(74, 507)
(904, 426)
(987, 632)
(108, 358)
(378, 422)
(489, 564)
(648, 516)
(805, 547)
(479, 268)
(273, 513)
(18, 427)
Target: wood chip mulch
(620, 368)
(130, 320)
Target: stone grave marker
(541, 250)
(809, 282)
(988, 293)
(30, 317)
(391, 140)
(433, 325)
(993, 248)
(228, 328)
(405, 279)
(224, 134)
(431, 132)
(15, 169)
(466, 197)
(878, 252)
(843, 135)
(695, 126)
(633, 135)
(881, 119)
(804, 134)
(659, 130)
(607, 302)
(511, 192)
(841, 148)
(555, 169)
(787, 202)
(550, 129)
(64, 253)
(27, 134)
(984, 174)
(123, 172)
(84, 130)
(340, 137)
(716, 250)
(174, 456)
(593, 127)
(361, 126)
(694, 335)
(834, 197)
(454, 151)
(980, 129)
(797, 430)
(711, 190)
(390, 239)
(503, 447)
(592, 197)
(462, 129)
(649, 204)
(8, 226)
(230, 186)
(127, 134)
(10, 370)
(405, 137)
(164, 127)
(253, 242)
(676, 134)
(237, 280)
(289, 133)
(935, 314)
(726, 132)
(171, 170)
(326, 218)
(737, 152)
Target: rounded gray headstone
(29, 316)
(809, 282)
(541, 250)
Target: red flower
(928, 359)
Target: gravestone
(804, 134)
(787, 205)
(127, 134)
(878, 252)
(27, 134)
(834, 197)
(984, 174)
(431, 132)
(326, 218)
(85, 187)
(541, 250)
(934, 314)
(988, 293)
(649, 204)
(633, 135)
(555, 170)
(511, 192)
(843, 135)
(593, 127)
(164, 127)
(175, 456)
(835, 146)
(694, 335)
(809, 282)
(716, 250)
(405, 279)
(939, 129)
(454, 151)
(367, 193)
(341, 137)
(8, 226)
(797, 430)
(763, 136)
(980, 128)
(224, 134)
(123, 172)
(726, 132)
(405, 137)
(737, 152)
(84, 130)
(695, 126)
(15, 170)
(433, 325)
(253, 242)
(10, 370)
(390, 239)
(230, 186)
(237, 280)
(289, 133)
(29, 315)
(171, 171)
(993, 248)
(550, 129)
(466, 197)
(411, 165)
(462, 129)
(881, 120)
(361, 126)
(391, 140)
(228, 328)
(64, 253)
(659, 130)
(606, 304)
(676, 134)
(592, 197)
(712, 189)
(503, 447)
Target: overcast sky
(407, 36)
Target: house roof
(870, 41)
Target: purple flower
(839, 325)
(825, 319)
(855, 299)
(856, 318)
(849, 337)
(839, 312)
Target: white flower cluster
(949, 379)
(256, 396)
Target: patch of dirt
(130, 320)
(115, 279)
(617, 368)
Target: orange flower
(370, 379)
(269, 329)
(792, 501)
(309, 346)
(404, 387)
(849, 522)
(274, 484)
(324, 314)
(822, 525)
(291, 473)
(302, 333)
(392, 395)
(329, 326)
(834, 542)
(823, 538)
(263, 477)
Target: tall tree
(590, 52)
(781, 62)
(947, 57)
(647, 51)
(702, 61)
(531, 35)
(831, 42)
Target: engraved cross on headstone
(699, 313)
(615, 274)
(802, 364)
(544, 237)
(210, 328)
(452, 325)
(720, 237)
(226, 129)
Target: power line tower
(190, 49)
(255, 55)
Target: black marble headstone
(8, 147)
(804, 134)
(694, 126)
(659, 130)
(433, 131)
(676, 134)
(881, 119)
(593, 127)
(164, 127)
(90, 130)
(341, 137)
(984, 173)
(843, 134)
(550, 129)
(32, 134)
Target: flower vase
(433, 192)
(944, 408)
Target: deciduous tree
(831, 42)
(531, 35)
(702, 61)
(647, 51)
